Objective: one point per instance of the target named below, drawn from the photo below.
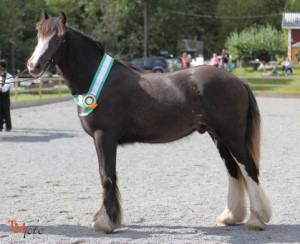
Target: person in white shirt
(6, 84)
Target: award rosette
(89, 101)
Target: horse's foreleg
(235, 210)
(109, 217)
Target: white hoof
(228, 218)
(254, 223)
(265, 213)
(225, 218)
(260, 208)
(101, 222)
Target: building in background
(291, 22)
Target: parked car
(153, 64)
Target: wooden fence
(38, 86)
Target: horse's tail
(253, 128)
(252, 132)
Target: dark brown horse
(118, 104)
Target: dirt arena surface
(171, 193)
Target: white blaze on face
(40, 49)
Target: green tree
(261, 42)
(11, 24)
(119, 24)
(17, 25)
(292, 6)
(202, 25)
(238, 15)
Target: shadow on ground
(35, 135)
(233, 234)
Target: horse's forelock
(46, 27)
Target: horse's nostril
(37, 65)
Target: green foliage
(247, 13)
(119, 24)
(292, 6)
(17, 32)
(264, 43)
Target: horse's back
(200, 81)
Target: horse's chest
(86, 125)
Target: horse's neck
(80, 62)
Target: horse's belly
(167, 129)
(166, 137)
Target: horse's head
(51, 38)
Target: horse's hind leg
(109, 217)
(260, 207)
(235, 211)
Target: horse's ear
(63, 17)
(44, 15)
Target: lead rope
(13, 77)
(46, 67)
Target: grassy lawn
(249, 71)
(261, 82)
(33, 96)
(276, 87)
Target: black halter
(56, 57)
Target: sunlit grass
(250, 71)
(33, 96)
(262, 82)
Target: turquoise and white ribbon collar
(89, 100)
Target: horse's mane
(87, 37)
(132, 67)
(46, 27)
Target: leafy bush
(262, 42)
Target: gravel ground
(171, 193)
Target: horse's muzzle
(35, 68)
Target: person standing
(6, 84)
(225, 59)
(214, 61)
(185, 61)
